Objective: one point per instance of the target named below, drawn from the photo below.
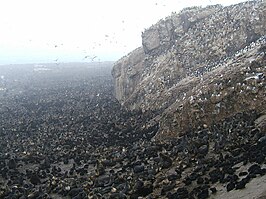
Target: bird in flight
(92, 58)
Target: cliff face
(127, 73)
(197, 67)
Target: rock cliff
(197, 67)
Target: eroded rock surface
(197, 66)
(127, 73)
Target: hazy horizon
(79, 31)
(47, 64)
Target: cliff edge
(197, 67)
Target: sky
(49, 31)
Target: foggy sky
(35, 31)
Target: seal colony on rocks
(197, 134)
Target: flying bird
(93, 58)
(87, 56)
